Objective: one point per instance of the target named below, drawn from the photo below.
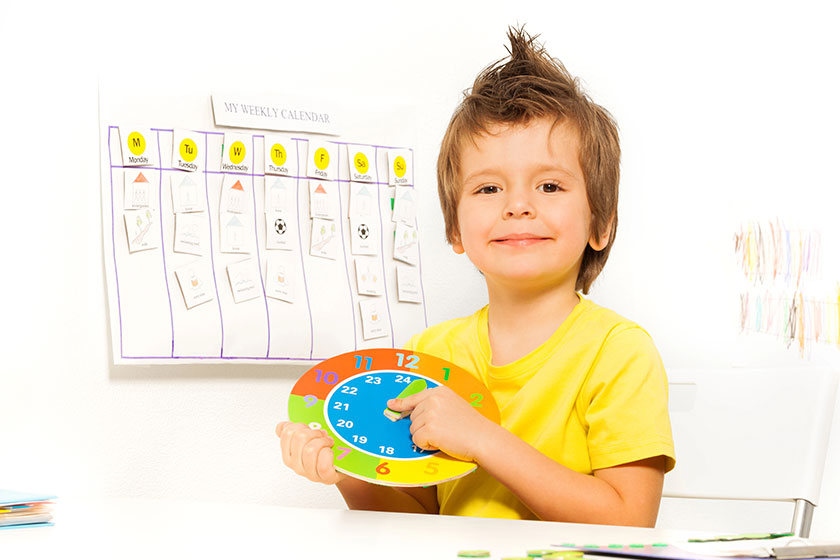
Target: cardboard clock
(347, 396)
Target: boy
(528, 181)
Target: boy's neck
(520, 322)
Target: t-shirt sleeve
(624, 402)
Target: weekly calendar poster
(257, 244)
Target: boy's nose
(519, 207)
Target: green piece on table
(474, 554)
(566, 554)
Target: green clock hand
(414, 387)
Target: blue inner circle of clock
(355, 408)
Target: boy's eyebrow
(499, 171)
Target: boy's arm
(359, 494)
(626, 494)
(623, 495)
(309, 453)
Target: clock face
(347, 396)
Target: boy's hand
(308, 452)
(440, 419)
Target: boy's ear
(599, 241)
(457, 246)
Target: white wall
(727, 111)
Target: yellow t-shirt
(593, 395)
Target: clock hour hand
(414, 387)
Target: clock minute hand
(414, 387)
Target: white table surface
(139, 528)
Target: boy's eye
(550, 187)
(487, 189)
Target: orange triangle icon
(320, 189)
(237, 186)
(141, 179)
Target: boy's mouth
(519, 239)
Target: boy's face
(523, 215)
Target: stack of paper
(778, 546)
(734, 546)
(22, 509)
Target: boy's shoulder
(613, 340)
(604, 319)
(593, 328)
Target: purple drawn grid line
(419, 252)
(240, 173)
(163, 249)
(259, 259)
(114, 243)
(229, 358)
(371, 145)
(382, 241)
(354, 144)
(210, 172)
(212, 260)
(297, 158)
(420, 274)
(344, 251)
(302, 264)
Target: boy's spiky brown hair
(529, 84)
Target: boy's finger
(421, 440)
(324, 465)
(416, 424)
(408, 403)
(287, 428)
(284, 431)
(316, 467)
(309, 457)
(287, 431)
(297, 442)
